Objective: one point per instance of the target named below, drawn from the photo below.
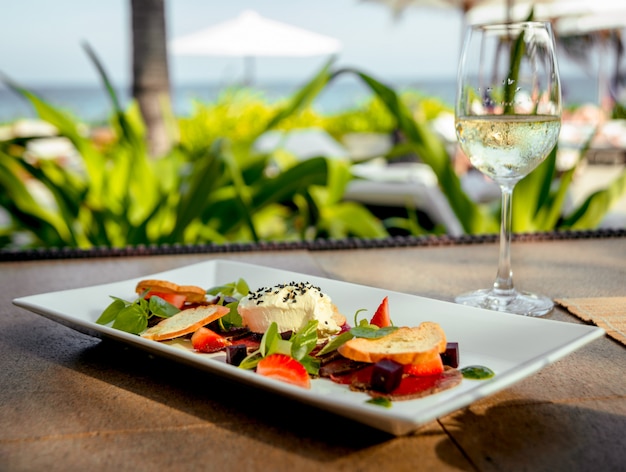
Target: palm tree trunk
(151, 83)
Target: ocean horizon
(90, 103)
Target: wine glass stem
(504, 279)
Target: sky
(41, 40)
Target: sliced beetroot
(386, 375)
(451, 355)
(235, 353)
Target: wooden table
(72, 402)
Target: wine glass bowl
(508, 119)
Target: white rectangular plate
(514, 347)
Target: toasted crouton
(404, 345)
(193, 293)
(185, 322)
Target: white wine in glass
(508, 119)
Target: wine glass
(508, 119)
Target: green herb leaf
(304, 341)
(132, 319)
(251, 360)
(270, 342)
(159, 307)
(336, 342)
(311, 364)
(233, 318)
(356, 314)
(227, 289)
(270, 337)
(280, 346)
(236, 289)
(298, 346)
(380, 401)
(365, 330)
(372, 332)
(111, 312)
(242, 287)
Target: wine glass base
(518, 303)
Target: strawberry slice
(433, 366)
(176, 299)
(381, 318)
(284, 368)
(205, 340)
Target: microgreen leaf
(236, 289)
(311, 364)
(363, 331)
(232, 318)
(226, 289)
(304, 340)
(356, 314)
(372, 332)
(336, 342)
(271, 342)
(298, 346)
(270, 337)
(159, 307)
(251, 360)
(111, 312)
(242, 287)
(280, 346)
(132, 319)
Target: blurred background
(404, 43)
(190, 121)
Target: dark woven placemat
(316, 245)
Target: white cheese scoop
(291, 305)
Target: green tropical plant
(214, 187)
(123, 197)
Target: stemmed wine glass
(508, 119)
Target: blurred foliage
(215, 187)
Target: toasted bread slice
(405, 345)
(193, 293)
(185, 322)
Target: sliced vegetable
(235, 353)
(451, 356)
(386, 375)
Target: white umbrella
(493, 11)
(600, 21)
(398, 6)
(463, 6)
(251, 35)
